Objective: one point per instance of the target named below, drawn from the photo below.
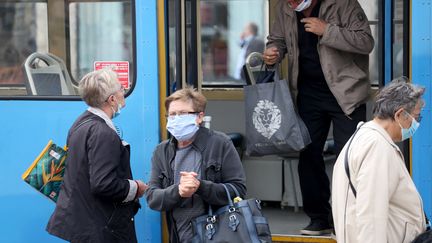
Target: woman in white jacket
(386, 206)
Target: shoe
(316, 228)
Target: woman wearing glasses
(188, 170)
(373, 197)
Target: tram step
(301, 238)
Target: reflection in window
(398, 39)
(372, 8)
(23, 30)
(100, 32)
(230, 30)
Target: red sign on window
(121, 68)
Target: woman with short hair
(189, 170)
(98, 197)
(382, 204)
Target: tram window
(398, 40)
(79, 35)
(23, 30)
(222, 23)
(101, 31)
(372, 10)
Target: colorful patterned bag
(46, 172)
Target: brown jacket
(343, 49)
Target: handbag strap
(346, 161)
(234, 189)
(230, 201)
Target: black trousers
(318, 110)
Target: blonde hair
(186, 94)
(97, 86)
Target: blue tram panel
(421, 74)
(27, 125)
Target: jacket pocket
(409, 233)
(164, 180)
(120, 225)
(213, 172)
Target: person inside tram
(188, 169)
(381, 204)
(249, 42)
(98, 197)
(327, 44)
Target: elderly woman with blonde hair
(374, 198)
(98, 197)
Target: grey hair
(398, 94)
(97, 86)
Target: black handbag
(240, 221)
(425, 237)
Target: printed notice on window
(120, 67)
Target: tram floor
(284, 220)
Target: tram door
(219, 30)
(47, 47)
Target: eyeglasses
(180, 113)
(418, 119)
(123, 90)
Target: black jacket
(89, 207)
(221, 164)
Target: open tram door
(205, 48)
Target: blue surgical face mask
(409, 132)
(116, 113)
(182, 127)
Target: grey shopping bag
(272, 123)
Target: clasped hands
(189, 183)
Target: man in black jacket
(98, 197)
(188, 170)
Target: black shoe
(316, 228)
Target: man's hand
(314, 25)
(270, 55)
(189, 184)
(142, 187)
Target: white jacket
(388, 208)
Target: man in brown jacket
(327, 43)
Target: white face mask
(303, 5)
(183, 127)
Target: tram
(159, 46)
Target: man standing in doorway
(327, 43)
(249, 42)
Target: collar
(373, 125)
(100, 113)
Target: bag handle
(234, 189)
(230, 201)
